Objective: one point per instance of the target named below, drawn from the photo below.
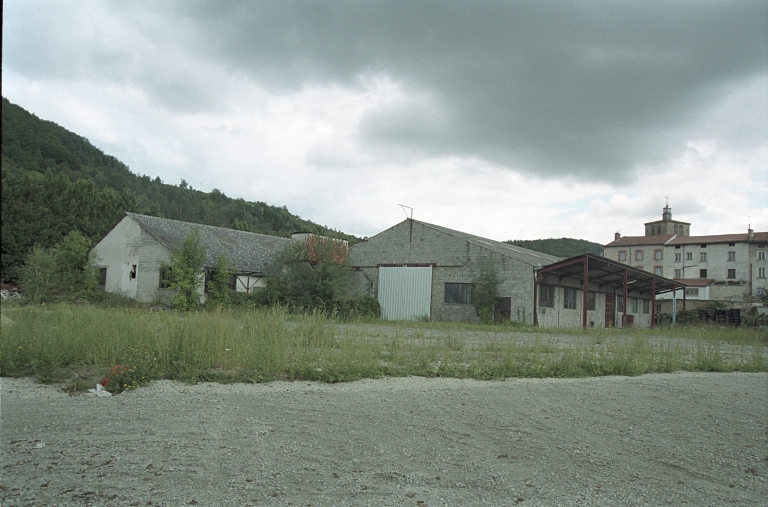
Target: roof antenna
(406, 214)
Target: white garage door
(405, 292)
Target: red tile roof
(720, 238)
(641, 240)
(696, 282)
(670, 239)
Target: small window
(678, 257)
(678, 273)
(703, 256)
(760, 292)
(761, 272)
(761, 255)
(677, 247)
(658, 270)
(646, 306)
(731, 256)
(620, 304)
(692, 292)
(689, 256)
(675, 228)
(569, 299)
(731, 244)
(458, 293)
(658, 255)
(133, 271)
(638, 255)
(591, 301)
(633, 305)
(165, 274)
(102, 278)
(702, 273)
(546, 296)
(703, 245)
(623, 255)
(731, 273)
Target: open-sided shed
(614, 290)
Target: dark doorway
(610, 310)
(503, 309)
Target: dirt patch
(695, 438)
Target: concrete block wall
(454, 260)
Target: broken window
(569, 299)
(731, 273)
(591, 301)
(546, 296)
(458, 293)
(133, 272)
(102, 278)
(165, 275)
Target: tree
(309, 276)
(485, 290)
(185, 271)
(39, 274)
(218, 286)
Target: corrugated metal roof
(248, 252)
(524, 255)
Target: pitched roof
(641, 240)
(671, 239)
(248, 252)
(720, 238)
(524, 255)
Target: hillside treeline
(55, 182)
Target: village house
(130, 255)
(725, 267)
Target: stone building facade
(717, 267)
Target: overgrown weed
(261, 345)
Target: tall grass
(263, 345)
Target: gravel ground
(687, 438)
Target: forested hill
(563, 247)
(55, 181)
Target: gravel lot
(687, 438)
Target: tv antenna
(406, 214)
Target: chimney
(751, 233)
(617, 236)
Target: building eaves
(719, 238)
(642, 240)
(248, 252)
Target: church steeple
(666, 225)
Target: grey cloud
(589, 89)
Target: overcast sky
(509, 120)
